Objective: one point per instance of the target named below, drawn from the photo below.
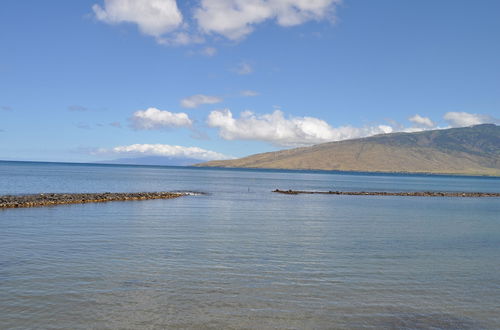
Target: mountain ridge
(467, 150)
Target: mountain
(153, 160)
(471, 150)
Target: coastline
(270, 169)
(494, 175)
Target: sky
(85, 81)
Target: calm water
(243, 257)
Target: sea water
(244, 257)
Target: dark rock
(386, 193)
(11, 201)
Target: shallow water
(243, 257)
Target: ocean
(242, 257)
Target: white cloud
(293, 131)
(209, 51)
(199, 99)
(249, 92)
(153, 118)
(165, 150)
(180, 39)
(153, 17)
(235, 19)
(420, 121)
(415, 129)
(461, 119)
(243, 68)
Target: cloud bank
(460, 119)
(292, 131)
(154, 118)
(232, 19)
(199, 99)
(165, 150)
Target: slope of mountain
(469, 150)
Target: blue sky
(96, 80)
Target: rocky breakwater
(385, 193)
(35, 200)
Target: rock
(11, 201)
(386, 193)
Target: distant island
(471, 150)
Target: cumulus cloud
(165, 150)
(243, 68)
(153, 17)
(420, 121)
(153, 118)
(292, 131)
(461, 119)
(235, 19)
(249, 92)
(195, 101)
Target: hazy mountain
(467, 150)
(153, 160)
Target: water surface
(243, 257)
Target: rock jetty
(15, 201)
(385, 193)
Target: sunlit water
(244, 257)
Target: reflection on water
(243, 257)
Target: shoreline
(384, 193)
(355, 172)
(278, 169)
(50, 199)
